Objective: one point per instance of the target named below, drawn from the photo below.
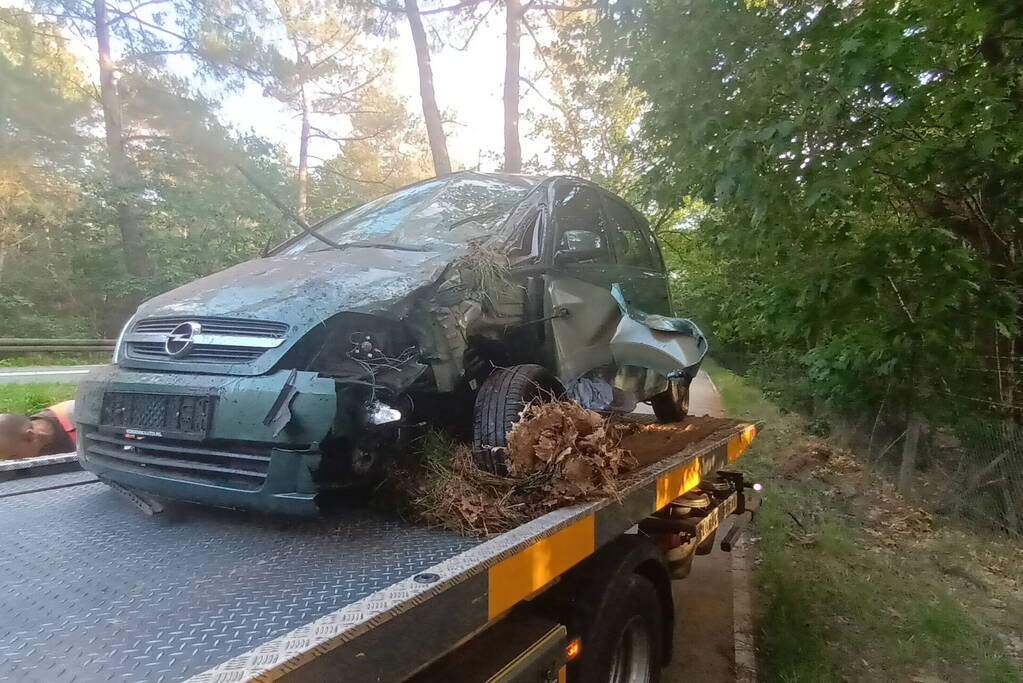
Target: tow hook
(140, 499)
(745, 504)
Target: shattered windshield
(451, 210)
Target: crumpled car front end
(206, 438)
(282, 380)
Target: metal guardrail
(11, 347)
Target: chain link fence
(980, 457)
(968, 464)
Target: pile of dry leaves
(558, 453)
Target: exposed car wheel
(672, 404)
(500, 399)
(623, 643)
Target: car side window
(632, 241)
(581, 224)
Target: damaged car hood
(307, 288)
(301, 291)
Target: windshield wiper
(477, 217)
(295, 218)
(379, 245)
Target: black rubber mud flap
(672, 404)
(500, 400)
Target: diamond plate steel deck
(93, 590)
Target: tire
(672, 404)
(623, 642)
(500, 399)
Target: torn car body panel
(581, 335)
(671, 347)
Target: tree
(431, 112)
(588, 128)
(861, 159)
(43, 108)
(319, 73)
(386, 151)
(428, 95)
(135, 254)
(62, 206)
(513, 12)
(146, 34)
(517, 17)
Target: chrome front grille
(202, 353)
(180, 459)
(215, 340)
(226, 326)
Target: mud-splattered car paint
(283, 379)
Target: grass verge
(856, 585)
(44, 359)
(31, 398)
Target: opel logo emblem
(182, 339)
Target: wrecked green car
(450, 302)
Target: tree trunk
(1009, 436)
(909, 448)
(303, 158)
(136, 259)
(513, 49)
(431, 113)
(1009, 503)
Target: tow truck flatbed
(93, 590)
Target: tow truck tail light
(573, 649)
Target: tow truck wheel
(624, 642)
(672, 404)
(501, 398)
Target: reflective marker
(573, 649)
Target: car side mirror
(563, 256)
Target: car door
(581, 271)
(642, 281)
(639, 263)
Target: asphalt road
(45, 374)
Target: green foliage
(861, 160)
(59, 358)
(385, 150)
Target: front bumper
(238, 462)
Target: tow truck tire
(672, 404)
(624, 639)
(499, 401)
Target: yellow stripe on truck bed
(529, 570)
(737, 445)
(674, 484)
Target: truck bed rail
(91, 590)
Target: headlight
(378, 413)
(120, 339)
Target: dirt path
(704, 632)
